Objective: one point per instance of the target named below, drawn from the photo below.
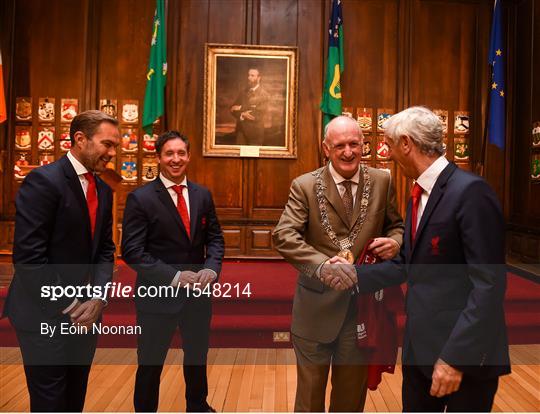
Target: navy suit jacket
(53, 244)
(456, 278)
(155, 242)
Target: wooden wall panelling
(443, 56)
(270, 178)
(92, 26)
(374, 33)
(6, 48)
(124, 30)
(445, 61)
(7, 229)
(523, 92)
(524, 220)
(222, 22)
(259, 242)
(234, 240)
(510, 103)
(371, 35)
(48, 60)
(534, 201)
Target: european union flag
(497, 94)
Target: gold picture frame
(250, 101)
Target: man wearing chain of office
(334, 210)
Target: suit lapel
(332, 195)
(407, 234)
(193, 207)
(99, 215)
(166, 200)
(74, 184)
(434, 198)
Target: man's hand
(338, 274)
(187, 278)
(206, 276)
(247, 115)
(86, 313)
(445, 379)
(384, 247)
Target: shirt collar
(168, 183)
(428, 178)
(338, 179)
(79, 168)
(255, 87)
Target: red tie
(182, 207)
(91, 200)
(416, 194)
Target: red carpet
(256, 321)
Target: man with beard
(63, 237)
(249, 109)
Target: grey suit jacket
(319, 311)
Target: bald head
(342, 145)
(341, 125)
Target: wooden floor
(247, 380)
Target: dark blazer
(155, 242)
(251, 131)
(53, 243)
(456, 278)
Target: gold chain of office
(344, 244)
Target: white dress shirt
(80, 170)
(427, 180)
(174, 195)
(338, 179)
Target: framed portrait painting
(250, 101)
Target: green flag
(331, 101)
(154, 97)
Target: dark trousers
(473, 395)
(156, 333)
(57, 369)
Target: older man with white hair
(334, 210)
(455, 345)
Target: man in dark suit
(455, 344)
(63, 238)
(172, 237)
(249, 109)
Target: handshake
(338, 273)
